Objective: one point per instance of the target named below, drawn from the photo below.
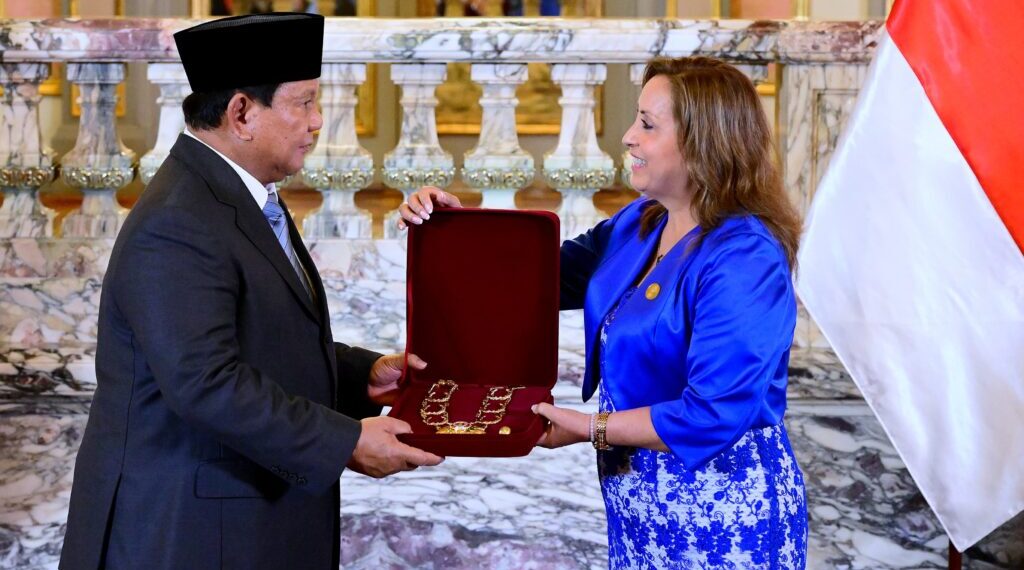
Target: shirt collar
(259, 191)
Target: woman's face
(658, 168)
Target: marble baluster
(338, 166)
(418, 160)
(174, 87)
(497, 166)
(26, 163)
(100, 163)
(577, 167)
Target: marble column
(497, 166)
(174, 87)
(578, 167)
(338, 166)
(418, 160)
(26, 163)
(100, 163)
(814, 104)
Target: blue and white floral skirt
(746, 509)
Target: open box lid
(482, 297)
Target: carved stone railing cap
(469, 39)
(825, 42)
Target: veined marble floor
(543, 511)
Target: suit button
(275, 468)
(302, 480)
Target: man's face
(283, 133)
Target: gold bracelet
(601, 431)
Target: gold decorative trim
(527, 123)
(119, 8)
(54, 84)
(30, 177)
(366, 94)
(366, 103)
(505, 178)
(199, 8)
(415, 178)
(331, 179)
(802, 10)
(569, 178)
(96, 178)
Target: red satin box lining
(482, 311)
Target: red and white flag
(912, 264)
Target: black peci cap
(244, 51)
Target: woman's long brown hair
(730, 155)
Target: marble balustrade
(542, 511)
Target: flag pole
(955, 558)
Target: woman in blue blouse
(689, 315)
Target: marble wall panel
(49, 312)
(814, 106)
(27, 373)
(25, 258)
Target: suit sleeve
(354, 366)
(179, 294)
(579, 259)
(744, 317)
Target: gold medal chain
(434, 409)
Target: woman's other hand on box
(422, 203)
(565, 426)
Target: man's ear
(239, 116)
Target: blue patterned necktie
(275, 215)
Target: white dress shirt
(259, 191)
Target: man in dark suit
(224, 412)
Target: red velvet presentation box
(482, 311)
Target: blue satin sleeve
(744, 314)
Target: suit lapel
(229, 189)
(319, 303)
